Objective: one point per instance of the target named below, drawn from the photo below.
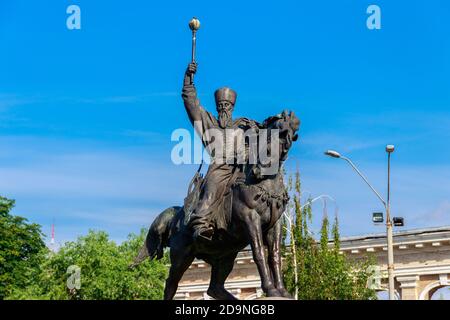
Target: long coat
(226, 159)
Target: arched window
(436, 290)
(384, 295)
(440, 293)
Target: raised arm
(189, 95)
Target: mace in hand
(194, 25)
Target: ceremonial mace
(194, 25)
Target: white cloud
(419, 193)
(437, 215)
(12, 100)
(117, 190)
(105, 175)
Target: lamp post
(390, 246)
(390, 242)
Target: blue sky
(86, 115)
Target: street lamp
(389, 149)
(336, 154)
(333, 153)
(390, 246)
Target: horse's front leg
(273, 239)
(253, 224)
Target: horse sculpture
(258, 201)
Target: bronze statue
(221, 174)
(235, 205)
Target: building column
(236, 293)
(408, 285)
(259, 293)
(443, 280)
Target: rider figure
(220, 173)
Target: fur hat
(225, 93)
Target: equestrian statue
(238, 203)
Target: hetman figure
(221, 174)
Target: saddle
(223, 215)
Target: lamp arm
(309, 202)
(365, 180)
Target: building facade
(421, 256)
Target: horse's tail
(157, 237)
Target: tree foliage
(21, 246)
(104, 272)
(29, 270)
(316, 268)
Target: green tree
(314, 268)
(21, 248)
(104, 272)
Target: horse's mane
(285, 115)
(267, 123)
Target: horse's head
(276, 136)
(287, 125)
